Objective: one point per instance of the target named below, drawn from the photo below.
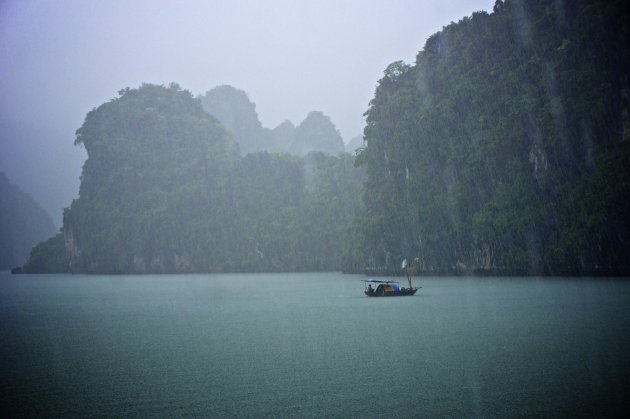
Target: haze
(61, 59)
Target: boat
(386, 289)
(391, 288)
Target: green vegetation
(49, 256)
(23, 223)
(502, 149)
(291, 214)
(164, 190)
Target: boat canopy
(393, 287)
(379, 282)
(384, 286)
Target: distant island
(237, 114)
(23, 224)
(505, 149)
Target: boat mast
(409, 268)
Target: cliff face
(75, 263)
(154, 158)
(501, 149)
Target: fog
(62, 59)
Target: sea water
(312, 345)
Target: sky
(60, 59)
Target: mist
(62, 59)
(238, 184)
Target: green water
(311, 345)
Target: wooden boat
(386, 289)
(391, 288)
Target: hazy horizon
(62, 59)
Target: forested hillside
(23, 223)
(504, 148)
(238, 116)
(165, 190)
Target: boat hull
(382, 293)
